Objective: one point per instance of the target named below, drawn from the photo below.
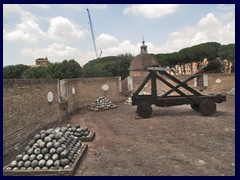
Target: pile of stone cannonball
(232, 91)
(102, 103)
(78, 131)
(129, 101)
(50, 149)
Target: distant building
(42, 62)
(227, 66)
(141, 62)
(190, 68)
(194, 67)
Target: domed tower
(141, 62)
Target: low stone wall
(26, 109)
(227, 82)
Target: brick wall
(88, 89)
(227, 83)
(161, 87)
(26, 109)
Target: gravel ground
(174, 141)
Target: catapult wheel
(195, 107)
(144, 109)
(207, 107)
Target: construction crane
(100, 54)
(93, 38)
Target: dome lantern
(142, 61)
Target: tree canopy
(197, 53)
(209, 50)
(227, 52)
(65, 69)
(108, 66)
(36, 72)
(14, 71)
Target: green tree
(169, 59)
(36, 72)
(108, 66)
(65, 69)
(199, 52)
(14, 71)
(54, 70)
(227, 52)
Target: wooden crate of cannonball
(50, 152)
(84, 134)
(49, 172)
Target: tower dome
(141, 62)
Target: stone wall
(87, 90)
(226, 84)
(221, 83)
(26, 109)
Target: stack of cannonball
(78, 131)
(49, 149)
(102, 103)
(232, 91)
(129, 101)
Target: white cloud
(27, 31)
(227, 33)
(55, 52)
(127, 47)
(209, 22)
(106, 40)
(62, 51)
(152, 10)
(16, 9)
(62, 29)
(123, 47)
(208, 29)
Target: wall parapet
(21, 82)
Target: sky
(62, 31)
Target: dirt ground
(174, 141)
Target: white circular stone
(218, 81)
(50, 96)
(105, 87)
(73, 90)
